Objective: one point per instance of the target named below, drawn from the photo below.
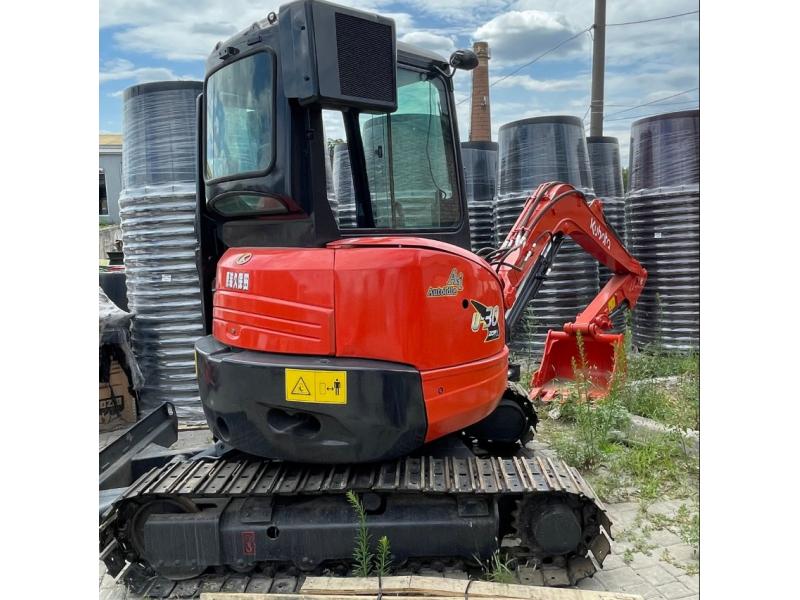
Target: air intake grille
(366, 67)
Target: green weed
(362, 555)
(685, 523)
(596, 437)
(365, 561)
(654, 361)
(657, 466)
(383, 560)
(595, 419)
(498, 569)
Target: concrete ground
(651, 576)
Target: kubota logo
(600, 234)
(243, 258)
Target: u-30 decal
(486, 318)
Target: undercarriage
(217, 513)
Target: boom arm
(553, 211)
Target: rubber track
(517, 476)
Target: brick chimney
(480, 125)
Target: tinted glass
(409, 157)
(239, 118)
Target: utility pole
(598, 68)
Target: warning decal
(322, 387)
(300, 388)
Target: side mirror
(465, 60)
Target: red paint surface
(249, 543)
(369, 298)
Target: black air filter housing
(338, 57)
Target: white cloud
(526, 82)
(121, 70)
(518, 36)
(644, 61)
(189, 29)
(460, 11)
(441, 44)
(403, 22)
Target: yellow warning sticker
(612, 303)
(323, 387)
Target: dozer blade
(563, 362)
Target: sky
(655, 64)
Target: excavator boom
(553, 211)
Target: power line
(528, 64)
(569, 39)
(656, 105)
(660, 103)
(693, 12)
(619, 112)
(641, 116)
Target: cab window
(239, 118)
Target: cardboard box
(117, 404)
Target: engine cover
(408, 300)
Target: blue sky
(152, 40)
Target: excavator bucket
(563, 361)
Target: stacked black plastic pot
(343, 187)
(419, 170)
(157, 213)
(531, 152)
(480, 176)
(607, 180)
(331, 189)
(663, 214)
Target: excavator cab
(270, 93)
(293, 296)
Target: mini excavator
(370, 357)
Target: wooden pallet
(414, 587)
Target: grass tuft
(623, 465)
(498, 569)
(594, 435)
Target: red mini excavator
(368, 356)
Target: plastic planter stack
(663, 214)
(607, 179)
(343, 188)
(331, 189)
(531, 152)
(418, 166)
(480, 176)
(157, 212)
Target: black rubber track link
(525, 487)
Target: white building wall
(111, 163)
